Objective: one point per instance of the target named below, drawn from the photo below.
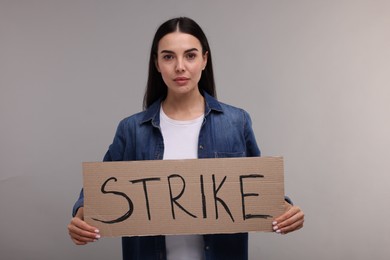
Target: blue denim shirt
(226, 132)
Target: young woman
(182, 120)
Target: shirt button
(201, 147)
(207, 248)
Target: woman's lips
(181, 80)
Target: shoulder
(231, 108)
(234, 112)
(140, 118)
(222, 108)
(132, 121)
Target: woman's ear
(156, 64)
(205, 57)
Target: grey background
(314, 76)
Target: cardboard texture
(200, 196)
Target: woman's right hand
(80, 232)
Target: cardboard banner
(200, 196)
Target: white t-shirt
(181, 142)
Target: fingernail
(275, 227)
(96, 230)
(97, 236)
(278, 231)
(274, 223)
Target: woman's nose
(180, 65)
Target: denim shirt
(226, 132)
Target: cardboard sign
(200, 196)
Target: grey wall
(314, 76)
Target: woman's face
(180, 62)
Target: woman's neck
(184, 106)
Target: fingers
(290, 221)
(81, 233)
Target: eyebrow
(186, 51)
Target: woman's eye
(168, 57)
(191, 56)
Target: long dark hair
(155, 87)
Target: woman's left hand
(290, 221)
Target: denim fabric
(225, 132)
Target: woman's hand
(290, 221)
(80, 232)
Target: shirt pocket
(229, 154)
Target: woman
(180, 108)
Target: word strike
(174, 198)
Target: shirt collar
(153, 112)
